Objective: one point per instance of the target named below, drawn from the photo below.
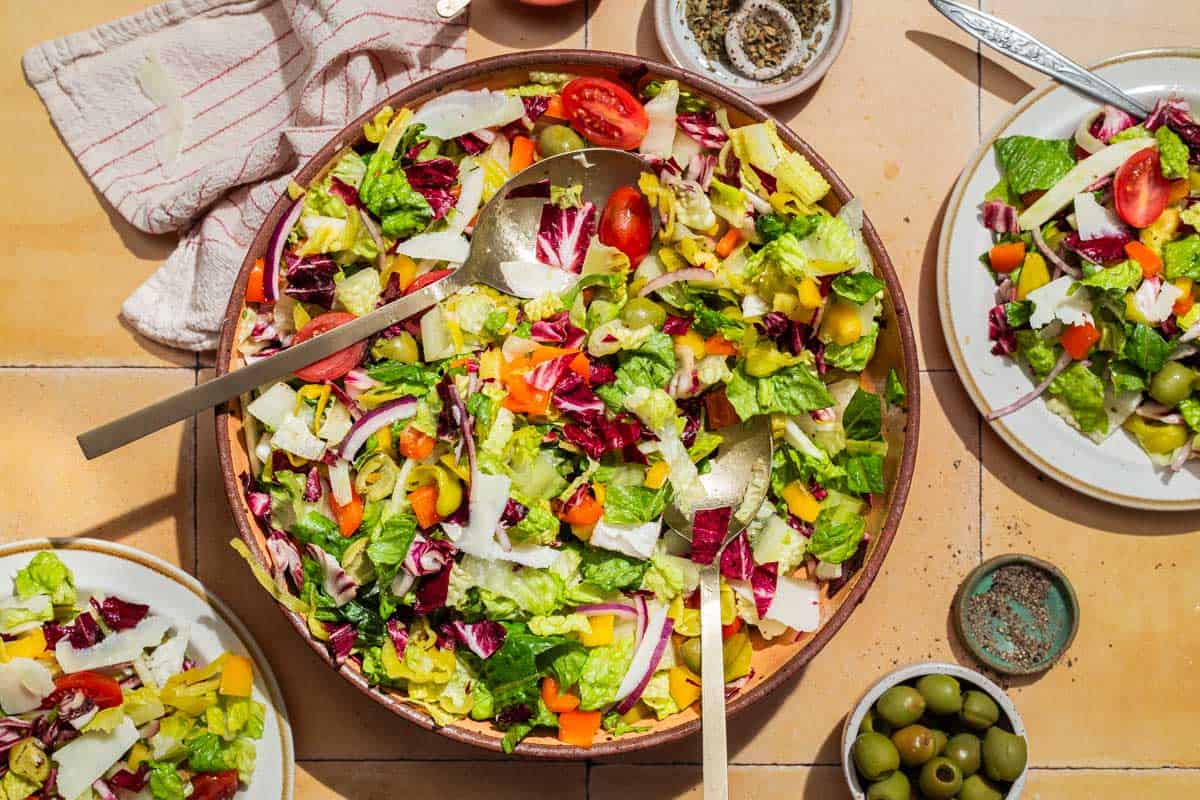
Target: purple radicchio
(482, 638)
(546, 375)
(342, 638)
(433, 179)
(131, 781)
(764, 580)
(427, 556)
(737, 562)
(603, 435)
(472, 144)
(574, 398)
(118, 614)
(337, 584)
(398, 635)
(703, 127)
(258, 502)
(535, 107)
(310, 279)
(1109, 122)
(1102, 249)
(431, 592)
(564, 235)
(709, 527)
(1000, 217)
(285, 557)
(344, 192)
(789, 335)
(557, 330)
(1000, 332)
(312, 486)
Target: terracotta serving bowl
(773, 662)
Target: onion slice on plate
(1054, 258)
(274, 259)
(373, 420)
(1064, 361)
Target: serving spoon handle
(712, 688)
(1018, 45)
(131, 427)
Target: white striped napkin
(192, 115)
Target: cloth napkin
(191, 116)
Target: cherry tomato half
(421, 281)
(214, 785)
(102, 690)
(336, 365)
(625, 223)
(1140, 190)
(605, 113)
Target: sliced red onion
(1191, 333)
(1054, 258)
(642, 612)
(465, 426)
(103, 790)
(1185, 452)
(656, 646)
(376, 237)
(1159, 412)
(619, 609)
(687, 274)
(341, 640)
(274, 260)
(1005, 292)
(737, 684)
(1064, 361)
(373, 420)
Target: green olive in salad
(468, 508)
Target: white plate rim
(190, 583)
(1027, 452)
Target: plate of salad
(464, 515)
(122, 679)
(1068, 279)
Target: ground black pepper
(993, 618)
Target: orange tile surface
(896, 116)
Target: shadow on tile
(512, 25)
(964, 60)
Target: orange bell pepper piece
(718, 345)
(522, 154)
(1146, 257)
(1183, 305)
(731, 628)
(1004, 258)
(423, 500)
(586, 512)
(415, 444)
(1077, 340)
(556, 110)
(349, 516)
(255, 288)
(237, 676)
(728, 242)
(578, 727)
(554, 701)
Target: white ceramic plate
(1117, 470)
(109, 568)
(676, 40)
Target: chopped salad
(1097, 268)
(468, 508)
(101, 701)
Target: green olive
(1004, 755)
(976, 787)
(979, 711)
(29, 760)
(900, 705)
(893, 787)
(873, 723)
(1172, 383)
(940, 778)
(942, 693)
(401, 347)
(557, 139)
(1155, 437)
(916, 744)
(940, 739)
(376, 477)
(689, 654)
(875, 756)
(963, 749)
(642, 311)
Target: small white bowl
(670, 24)
(976, 679)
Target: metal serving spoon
(739, 478)
(1015, 43)
(506, 231)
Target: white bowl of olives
(935, 731)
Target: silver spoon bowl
(506, 232)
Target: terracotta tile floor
(1115, 720)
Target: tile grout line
(589, 764)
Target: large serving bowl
(773, 662)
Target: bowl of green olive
(935, 731)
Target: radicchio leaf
(546, 375)
(676, 326)
(310, 279)
(285, 557)
(131, 781)
(763, 580)
(709, 527)
(604, 435)
(1000, 332)
(431, 592)
(342, 638)
(557, 330)
(119, 615)
(1109, 123)
(312, 486)
(84, 632)
(472, 144)
(573, 397)
(1101, 250)
(564, 235)
(1000, 217)
(398, 634)
(258, 502)
(513, 513)
(427, 556)
(737, 562)
(337, 584)
(344, 192)
(433, 179)
(703, 127)
(482, 638)
(600, 373)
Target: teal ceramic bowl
(997, 648)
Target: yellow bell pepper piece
(1184, 285)
(841, 323)
(451, 464)
(237, 678)
(300, 317)
(403, 267)
(1194, 180)
(599, 492)
(639, 712)
(1162, 230)
(785, 303)
(29, 645)
(693, 341)
(684, 686)
(491, 364)
(801, 502)
(583, 532)
(1132, 313)
(687, 620)
(810, 293)
(601, 633)
(383, 438)
(1034, 275)
(656, 476)
(138, 755)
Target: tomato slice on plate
(625, 223)
(336, 365)
(1140, 190)
(605, 113)
(214, 785)
(102, 690)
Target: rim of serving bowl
(475, 73)
(898, 676)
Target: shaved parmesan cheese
(339, 482)
(84, 760)
(1094, 221)
(637, 540)
(295, 437)
(534, 279)
(116, 648)
(470, 181)
(796, 604)
(448, 245)
(1052, 302)
(167, 658)
(24, 683)
(336, 423)
(1154, 299)
(273, 405)
(456, 113)
(488, 497)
